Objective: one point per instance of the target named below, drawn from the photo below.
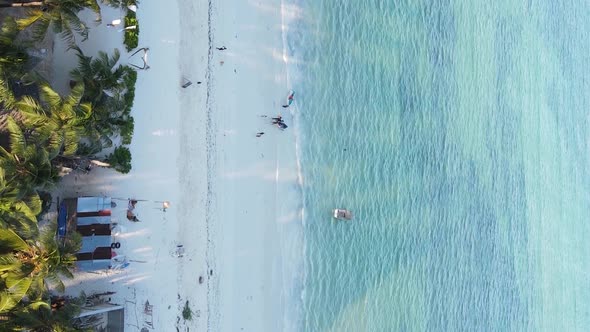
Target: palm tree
(18, 214)
(110, 87)
(57, 122)
(101, 76)
(120, 3)
(43, 318)
(27, 266)
(7, 99)
(27, 165)
(120, 159)
(13, 57)
(61, 15)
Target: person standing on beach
(130, 207)
(222, 48)
(259, 134)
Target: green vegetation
(57, 315)
(41, 133)
(59, 16)
(187, 313)
(131, 35)
(13, 57)
(111, 89)
(28, 265)
(120, 3)
(120, 159)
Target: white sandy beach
(234, 197)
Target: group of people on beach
(278, 121)
(131, 202)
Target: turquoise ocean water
(457, 131)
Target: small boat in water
(342, 214)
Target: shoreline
(255, 201)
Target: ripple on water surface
(443, 125)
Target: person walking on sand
(259, 134)
(130, 207)
(114, 23)
(222, 48)
(131, 204)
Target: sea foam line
(293, 287)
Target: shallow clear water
(457, 131)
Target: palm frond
(116, 56)
(9, 263)
(71, 139)
(18, 288)
(9, 29)
(41, 27)
(33, 204)
(85, 112)
(17, 138)
(10, 241)
(5, 156)
(76, 94)
(18, 221)
(49, 96)
(56, 282)
(71, 22)
(33, 16)
(35, 120)
(94, 6)
(54, 145)
(28, 104)
(6, 95)
(7, 302)
(36, 305)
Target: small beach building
(102, 317)
(91, 217)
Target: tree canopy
(42, 132)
